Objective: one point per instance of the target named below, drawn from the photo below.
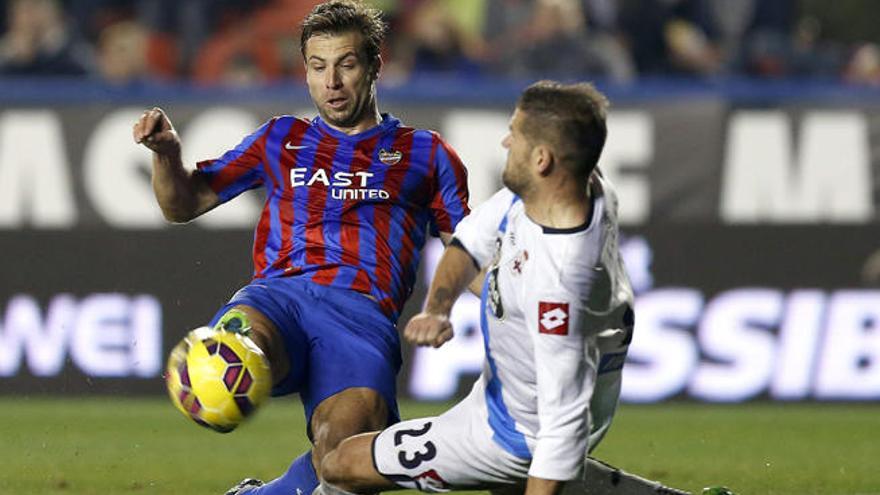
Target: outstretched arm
(454, 272)
(182, 195)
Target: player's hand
(154, 130)
(428, 329)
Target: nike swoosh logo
(289, 146)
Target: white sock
(327, 489)
(604, 479)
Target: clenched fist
(427, 329)
(155, 131)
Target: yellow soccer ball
(217, 377)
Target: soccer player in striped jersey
(350, 198)
(557, 320)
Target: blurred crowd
(246, 42)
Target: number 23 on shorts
(411, 458)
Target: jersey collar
(388, 123)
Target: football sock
(327, 489)
(604, 479)
(300, 479)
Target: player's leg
(452, 451)
(263, 331)
(345, 414)
(352, 360)
(601, 478)
(349, 468)
(270, 309)
(348, 413)
(300, 478)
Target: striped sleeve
(450, 202)
(240, 168)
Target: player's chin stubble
(517, 182)
(347, 117)
(509, 181)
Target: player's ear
(542, 157)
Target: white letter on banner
(117, 174)
(835, 169)
(209, 135)
(118, 336)
(630, 145)
(736, 330)
(831, 180)
(850, 362)
(757, 168)
(34, 172)
(99, 346)
(146, 333)
(663, 353)
(798, 340)
(43, 342)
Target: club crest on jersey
(518, 261)
(390, 157)
(553, 318)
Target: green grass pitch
(106, 446)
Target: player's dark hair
(342, 16)
(571, 118)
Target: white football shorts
(452, 451)
(456, 451)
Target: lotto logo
(553, 318)
(430, 481)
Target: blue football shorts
(335, 339)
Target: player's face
(516, 171)
(340, 79)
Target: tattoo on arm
(443, 299)
(443, 294)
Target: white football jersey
(552, 300)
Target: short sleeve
(477, 233)
(450, 202)
(240, 168)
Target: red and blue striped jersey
(350, 211)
